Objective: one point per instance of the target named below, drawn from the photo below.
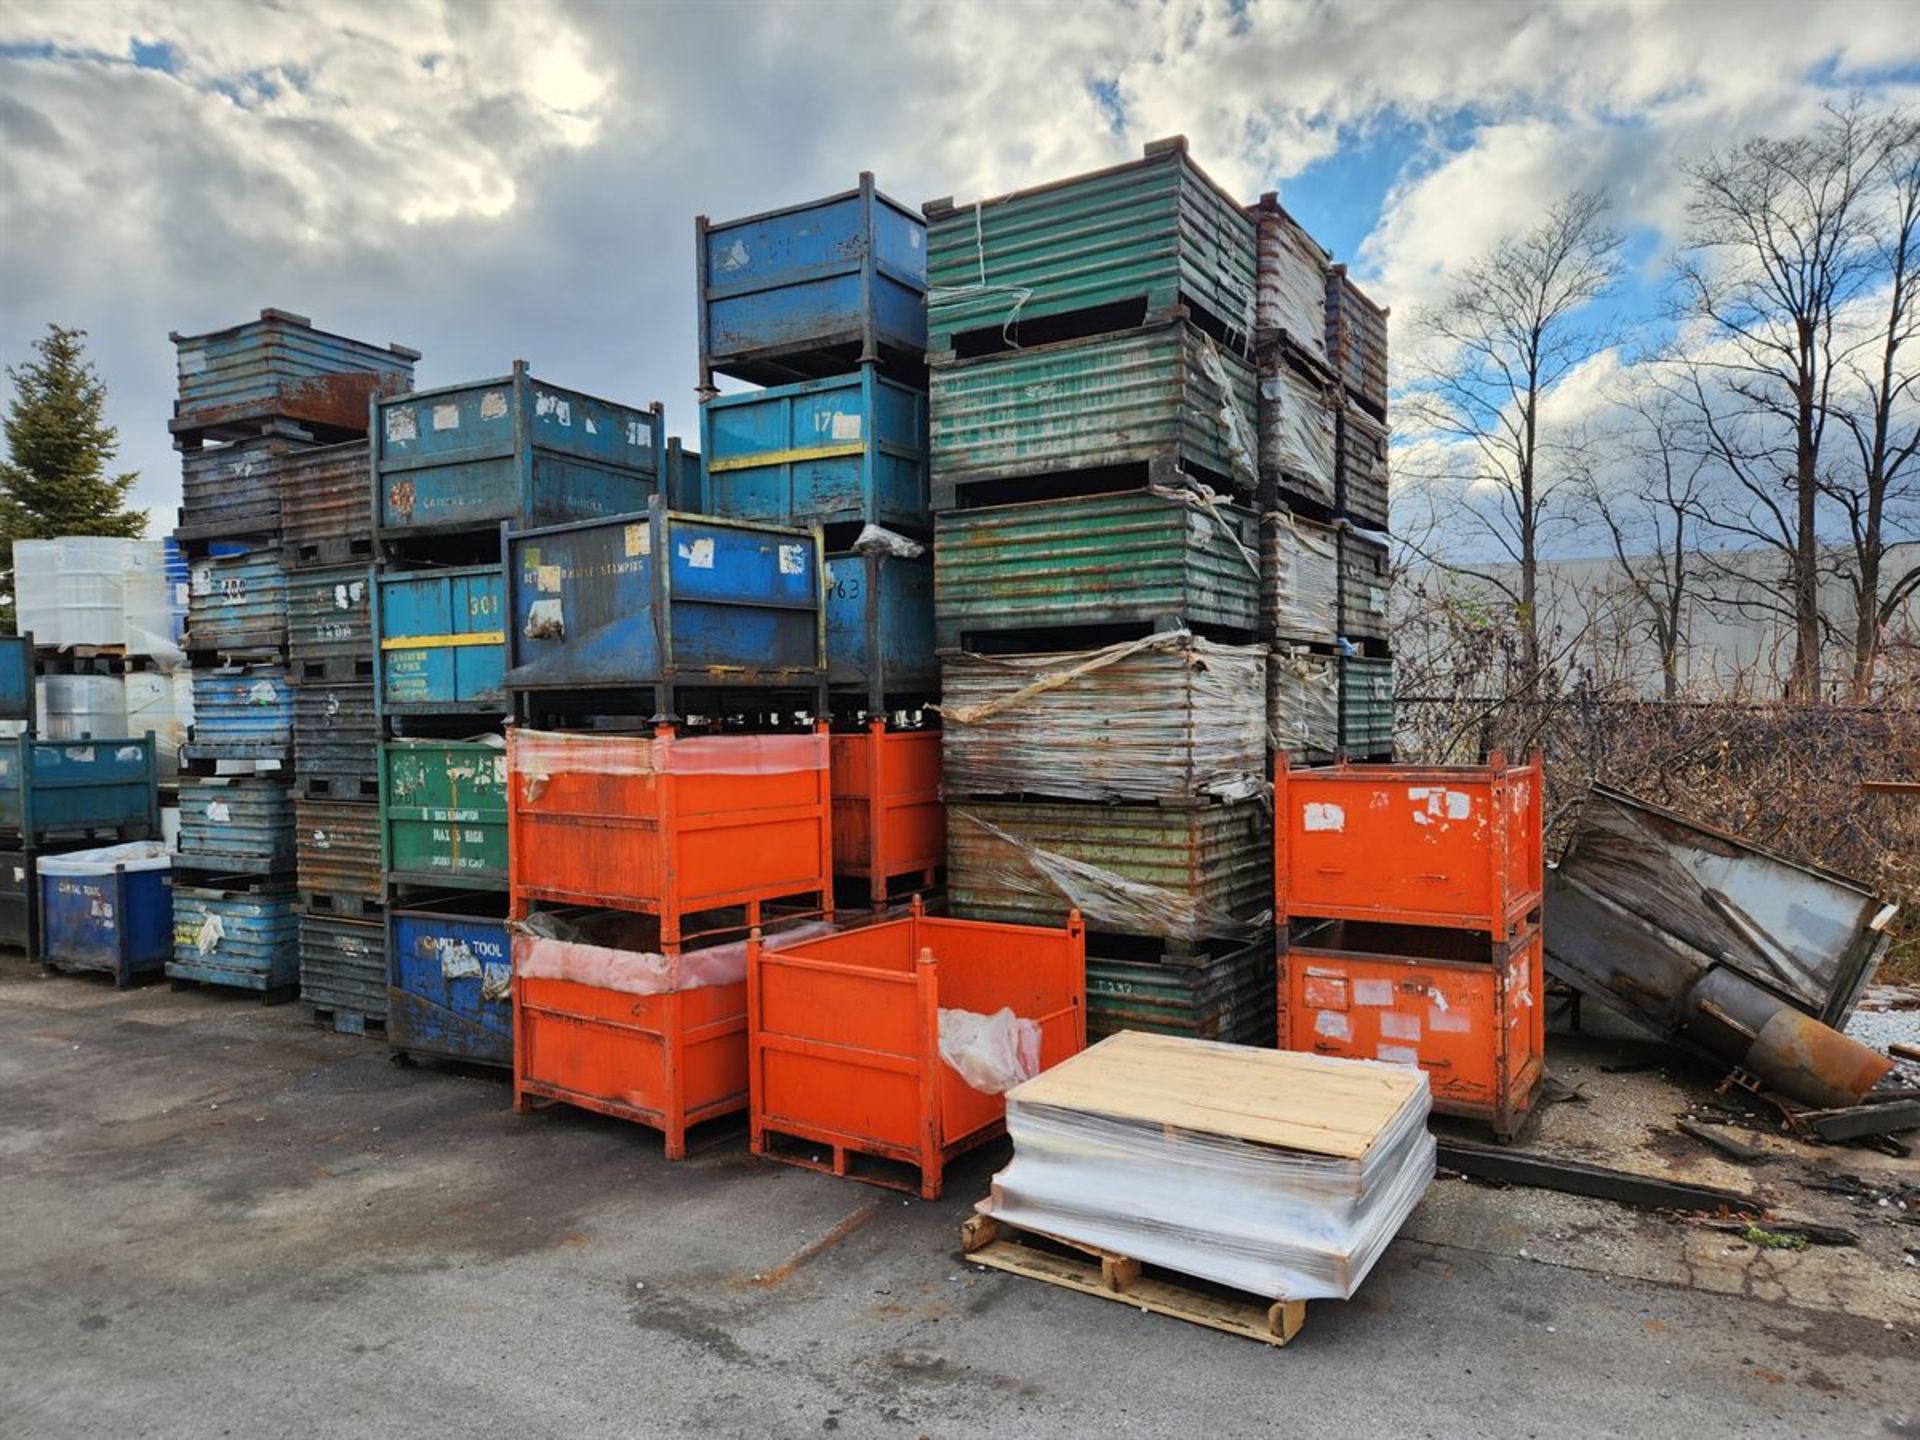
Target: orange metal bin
(1471, 1015)
(668, 826)
(1455, 846)
(667, 1059)
(844, 1036)
(888, 821)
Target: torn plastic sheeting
(992, 1053)
(1206, 502)
(133, 855)
(1104, 896)
(1234, 429)
(878, 540)
(1291, 283)
(1304, 710)
(1301, 579)
(1297, 432)
(1167, 716)
(539, 755)
(638, 972)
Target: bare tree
(1777, 250)
(1880, 409)
(1513, 324)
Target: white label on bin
(546, 578)
(793, 559)
(261, 692)
(19, 875)
(560, 410)
(456, 959)
(846, 427)
(1320, 816)
(402, 423)
(218, 812)
(350, 596)
(193, 362)
(212, 932)
(446, 417)
(639, 432)
(735, 257)
(129, 754)
(1373, 992)
(1333, 1024)
(496, 982)
(1459, 805)
(698, 553)
(1396, 1025)
(637, 539)
(80, 754)
(320, 841)
(546, 620)
(493, 405)
(1442, 1021)
(587, 420)
(1397, 1055)
(202, 580)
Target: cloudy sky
(485, 181)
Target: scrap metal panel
(1357, 341)
(1366, 706)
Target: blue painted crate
(812, 289)
(54, 788)
(514, 449)
(109, 909)
(16, 678)
(848, 449)
(279, 368)
(246, 939)
(442, 642)
(241, 712)
(238, 601)
(880, 626)
(449, 965)
(236, 823)
(647, 598)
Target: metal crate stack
(455, 471)
(821, 307)
(1098, 583)
(266, 408)
(1322, 356)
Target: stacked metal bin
(272, 422)
(450, 473)
(1322, 359)
(822, 306)
(1098, 596)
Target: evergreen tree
(55, 480)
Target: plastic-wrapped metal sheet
(1167, 717)
(1297, 433)
(1291, 294)
(1299, 580)
(1303, 703)
(1277, 1173)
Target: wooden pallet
(994, 1243)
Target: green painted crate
(1229, 996)
(1366, 707)
(1155, 232)
(443, 813)
(1133, 557)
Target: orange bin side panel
(1475, 1028)
(1448, 846)
(668, 1061)
(888, 819)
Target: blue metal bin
(246, 939)
(812, 289)
(109, 909)
(880, 627)
(241, 712)
(848, 449)
(449, 970)
(16, 678)
(516, 450)
(53, 788)
(442, 643)
(278, 369)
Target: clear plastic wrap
(1304, 703)
(878, 540)
(1148, 1179)
(1166, 716)
(1235, 427)
(1106, 898)
(1297, 432)
(538, 755)
(992, 1053)
(95, 590)
(1205, 501)
(72, 706)
(134, 854)
(1292, 283)
(1300, 579)
(547, 947)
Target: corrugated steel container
(1299, 580)
(1366, 706)
(1298, 435)
(1303, 703)
(1365, 575)
(330, 623)
(108, 909)
(450, 981)
(236, 824)
(73, 707)
(336, 741)
(880, 626)
(443, 641)
(850, 448)
(811, 289)
(1226, 997)
(591, 606)
(1290, 301)
(16, 677)
(238, 602)
(686, 477)
(1163, 395)
(1133, 557)
(1362, 468)
(234, 490)
(1183, 873)
(337, 850)
(443, 812)
(280, 368)
(247, 939)
(326, 506)
(20, 901)
(56, 788)
(888, 821)
(343, 970)
(514, 449)
(1151, 234)
(241, 712)
(1357, 341)
(661, 825)
(1177, 719)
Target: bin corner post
(1077, 969)
(926, 973)
(1282, 824)
(756, 1087)
(669, 850)
(869, 261)
(516, 989)
(704, 387)
(823, 810)
(673, 1058)
(877, 854)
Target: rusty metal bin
(888, 820)
(844, 1038)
